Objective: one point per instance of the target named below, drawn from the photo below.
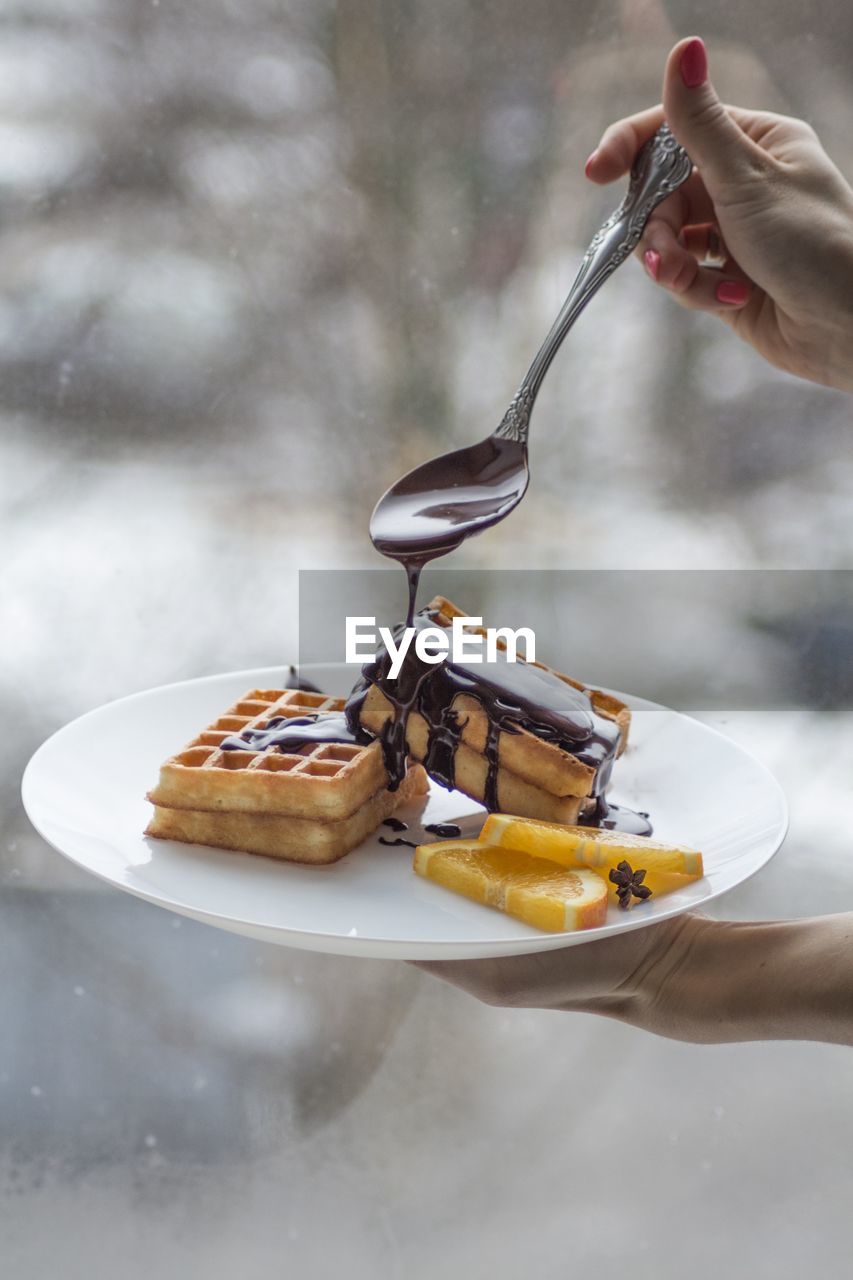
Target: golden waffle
(329, 782)
(544, 766)
(313, 805)
(471, 768)
(289, 838)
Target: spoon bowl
(435, 507)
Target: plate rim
(358, 945)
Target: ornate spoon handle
(661, 166)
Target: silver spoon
(440, 503)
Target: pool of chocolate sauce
(444, 831)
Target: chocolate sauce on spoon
(434, 508)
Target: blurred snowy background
(257, 258)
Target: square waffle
(310, 806)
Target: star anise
(629, 883)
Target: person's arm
(692, 978)
(766, 199)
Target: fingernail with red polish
(652, 260)
(694, 64)
(590, 161)
(733, 292)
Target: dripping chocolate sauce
(515, 696)
(415, 521)
(410, 526)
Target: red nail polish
(652, 260)
(694, 64)
(590, 161)
(734, 292)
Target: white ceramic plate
(84, 791)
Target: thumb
(700, 122)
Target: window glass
(257, 259)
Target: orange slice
(531, 889)
(591, 847)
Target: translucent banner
(704, 639)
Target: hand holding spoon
(440, 503)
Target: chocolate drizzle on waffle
(291, 734)
(515, 696)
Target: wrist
(835, 324)
(653, 993)
(715, 982)
(840, 364)
(711, 981)
(725, 981)
(672, 993)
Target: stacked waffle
(313, 805)
(244, 783)
(531, 775)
